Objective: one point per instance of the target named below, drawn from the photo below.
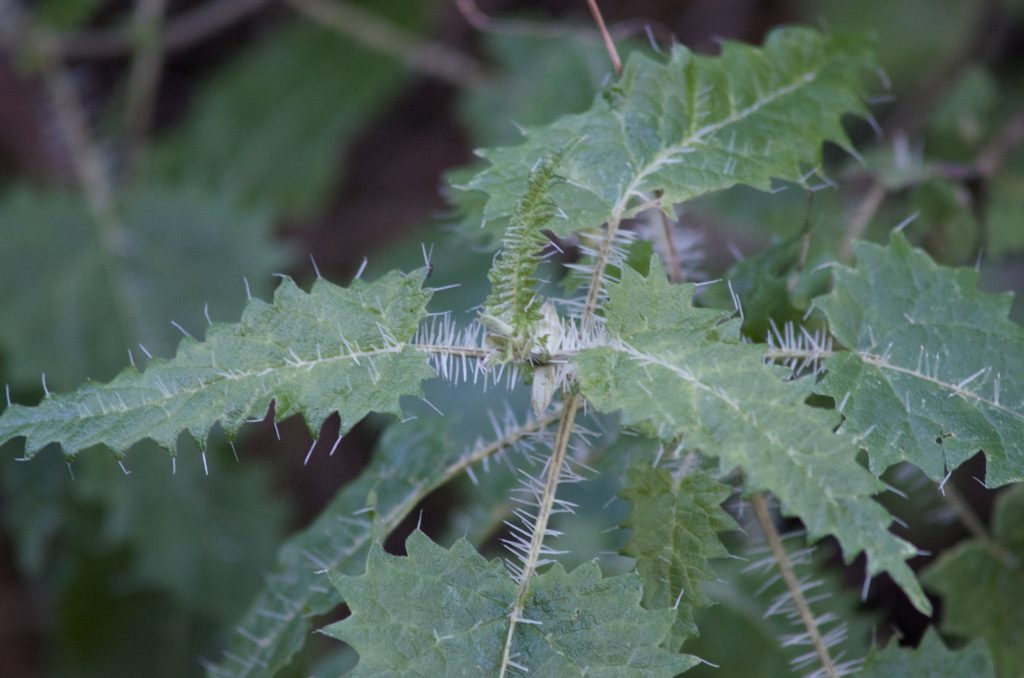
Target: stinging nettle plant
(912, 364)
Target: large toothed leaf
(690, 126)
(410, 461)
(982, 586)
(445, 612)
(679, 371)
(675, 524)
(329, 350)
(934, 371)
(930, 658)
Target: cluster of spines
(832, 629)
(798, 348)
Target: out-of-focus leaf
(538, 79)
(1004, 214)
(675, 524)
(271, 127)
(189, 545)
(79, 298)
(930, 658)
(65, 14)
(964, 119)
(983, 591)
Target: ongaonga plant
(916, 366)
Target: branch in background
(428, 57)
(764, 519)
(970, 520)
(609, 44)
(862, 215)
(143, 80)
(181, 32)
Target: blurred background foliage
(162, 159)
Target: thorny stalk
(566, 422)
(764, 519)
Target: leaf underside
(329, 350)
(982, 593)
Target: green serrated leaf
(83, 300)
(674, 370)
(675, 524)
(690, 126)
(933, 374)
(329, 350)
(983, 589)
(446, 612)
(410, 461)
(930, 658)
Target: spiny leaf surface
(675, 524)
(689, 126)
(409, 461)
(329, 350)
(678, 371)
(934, 371)
(983, 591)
(445, 612)
(930, 658)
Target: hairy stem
(566, 421)
(430, 58)
(764, 519)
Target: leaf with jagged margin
(674, 370)
(675, 524)
(690, 126)
(930, 658)
(272, 125)
(982, 587)
(445, 612)
(82, 301)
(332, 349)
(410, 461)
(934, 372)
